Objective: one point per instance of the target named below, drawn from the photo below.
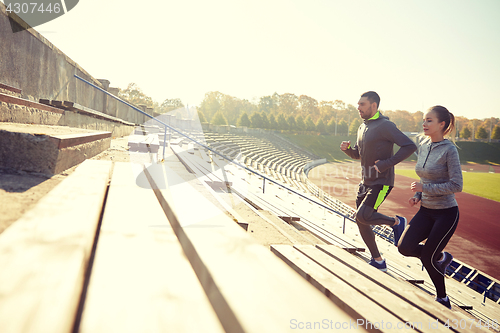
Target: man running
(375, 142)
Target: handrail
(213, 151)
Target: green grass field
(485, 185)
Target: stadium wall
(28, 61)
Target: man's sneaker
(444, 301)
(382, 266)
(445, 262)
(398, 229)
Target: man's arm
(407, 147)
(352, 152)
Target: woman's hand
(416, 187)
(413, 201)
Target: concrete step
(144, 143)
(10, 90)
(16, 109)
(48, 149)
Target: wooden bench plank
(404, 308)
(141, 281)
(415, 297)
(241, 278)
(44, 255)
(213, 182)
(456, 290)
(348, 299)
(205, 157)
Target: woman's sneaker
(444, 263)
(382, 266)
(399, 229)
(445, 301)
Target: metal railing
(213, 151)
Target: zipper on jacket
(430, 148)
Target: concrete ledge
(84, 110)
(48, 149)
(81, 120)
(22, 111)
(20, 101)
(10, 88)
(70, 140)
(71, 156)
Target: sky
(414, 53)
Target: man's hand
(416, 187)
(345, 145)
(413, 201)
(376, 167)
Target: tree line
(289, 112)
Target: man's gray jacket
(376, 139)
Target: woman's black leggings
(437, 226)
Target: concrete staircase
(53, 136)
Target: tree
(273, 124)
(268, 104)
(299, 122)
(481, 133)
(292, 125)
(256, 120)
(496, 133)
(342, 127)
(265, 120)
(170, 105)
(354, 126)
(417, 119)
(282, 123)
(201, 117)
(245, 105)
(339, 105)
(230, 107)
(244, 120)
(288, 103)
(320, 126)
(465, 133)
(326, 110)
(404, 120)
(330, 127)
(309, 106)
(211, 104)
(310, 126)
(219, 119)
(136, 96)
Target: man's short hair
(372, 96)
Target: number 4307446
(33, 7)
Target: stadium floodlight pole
(212, 150)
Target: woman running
(438, 167)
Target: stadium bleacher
(344, 233)
(165, 242)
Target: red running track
(476, 240)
